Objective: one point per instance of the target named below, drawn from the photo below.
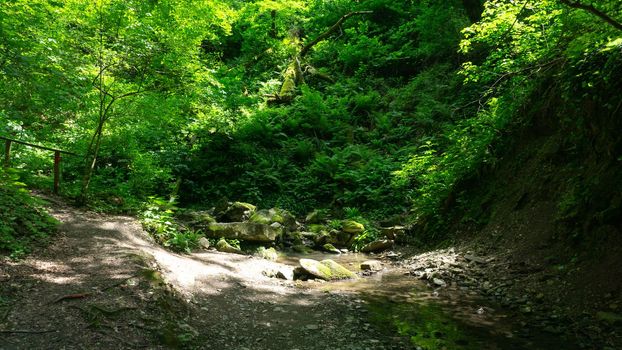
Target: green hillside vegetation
(391, 115)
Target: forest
(455, 165)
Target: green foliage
(416, 100)
(23, 221)
(158, 219)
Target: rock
(269, 273)
(243, 231)
(203, 243)
(371, 265)
(268, 254)
(331, 248)
(274, 215)
(327, 269)
(196, 217)
(377, 246)
(394, 233)
(223, 246)
(439, 282)
(285, 274)
(351, 226)
(237, 212)
(338, 272)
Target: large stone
(328, 270)
(371, 265)
(196, 219)
(244, 231)
(223, 246)
(377, 246)
(351, 226)
(203, 243)
(394, 233)
(237, 212)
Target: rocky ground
(102, 284)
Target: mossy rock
(237, 212)
(351, 226)
(331, 248)
(225, 247)
(317, 228)
(270, 216)
(328, 269)
(245, 231)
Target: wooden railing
(57, 157)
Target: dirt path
(102, 284)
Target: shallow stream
(443, 318)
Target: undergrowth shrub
(158, 219)
(23, 221)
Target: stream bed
(433, 318)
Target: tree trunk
(293, 75)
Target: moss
(317, 228)
(336, 271)
(351, 226)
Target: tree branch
(330, 30)
(593, 10)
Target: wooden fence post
(56, 171)
(7, 153)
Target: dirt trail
(102, 284)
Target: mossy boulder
(395, 233)
(245, 231)
(274, 215)
(351, 226)
(237, 212)
(377, 246)
(225, 247)
(196, 219)
(328, 269)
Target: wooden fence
(57, 157)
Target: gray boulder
(237, 212)
(377, 246)
(244, 231)
(371, 265)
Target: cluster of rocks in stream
(277, 227)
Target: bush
(23, 221)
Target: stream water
(444, 318)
